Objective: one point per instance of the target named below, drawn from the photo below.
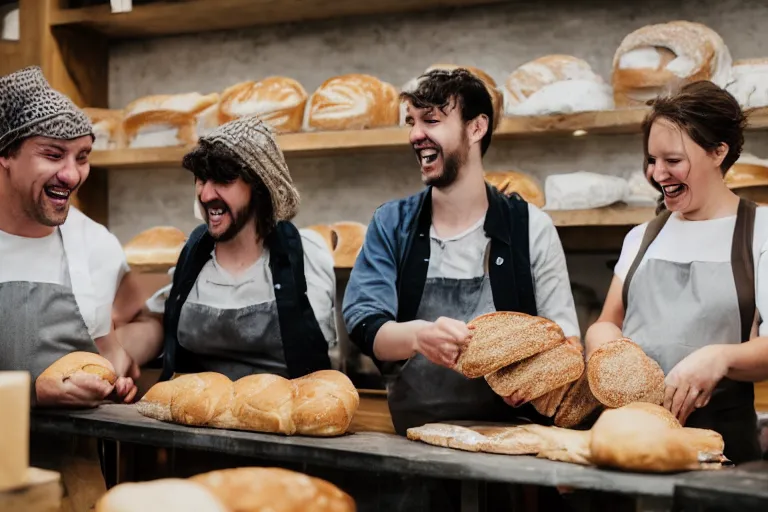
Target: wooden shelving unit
(193, 16)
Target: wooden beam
(194, 16)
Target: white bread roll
(277, 100)
(655, 58)
(160, 245)
(164, 495)
(166, 120)
(749, 83)
(555, 84)
(320, 404)
(497, 96)
(107, 128)
(352, 102)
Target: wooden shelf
(333, 143)
(193, 16)
(618, 215)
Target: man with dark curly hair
(459, 249)
(250, 293)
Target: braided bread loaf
(320, 404)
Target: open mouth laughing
(675, 190)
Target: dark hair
(709, 115)
(12, 149)
(439, 87)
(216, 162)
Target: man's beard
(452, 162)
(239, 219)
(45, 213)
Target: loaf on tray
(320, 404)
(352, 102)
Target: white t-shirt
(217, 288)
(463, 257)
(44, 260)
(684, 241)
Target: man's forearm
(397, 341)
(142, 338)
(599, 334)
(748, 362)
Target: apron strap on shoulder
(743, 265)
(651, 232)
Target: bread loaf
(107, 128)
(166, 120)
(497, 96)
(655, 410)
(320, 404)
(51, 381)
(510, 181)
(352, 102)
(619, 373)
(164, 495)
(748, 171)
(578, 403)
(160, 245)
(555, 84)
(447, 436)
(749, 83)
(273, 490)
(547, 404)
(539, 374)
(655, 58)
(279, 101)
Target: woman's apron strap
(743, 265)
(651, 232)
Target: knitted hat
(29, 106)
(253, 142)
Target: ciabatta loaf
(538, 375)
(273, 490)
(658, 57)
(277, 100)
(511, 181)
(749, 83)
(555, 84)
(352, 102)
(578, 403)
(166, 120)
(164, 495)
(160, 245)
(107, 128)
(502, 338)
(320, 404)
(620, 373)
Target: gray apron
(673, 309)
(234, 342)
(41, 322)
(421, 391)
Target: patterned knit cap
(253, 142)
(29, 107)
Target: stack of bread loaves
(247, 489)
(320, 404)
(638, 436)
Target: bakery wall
(395, 48)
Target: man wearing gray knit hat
(250, 293)
(61, 266)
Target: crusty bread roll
(502, 338)
(620, 373)
(547, 404)
(160, 245)
(53, 378)
(277, 100)
(634, 440)
(165, 120)
(538, 375)
(107, 128)
(656, 57)
(555, 84)
(320, 404)
(349, 240)
(274, 490)
(578, 403)
(748, 171)
(511, 181)
(164, 495)
(749, 83)
(497, 96)
(352, 102)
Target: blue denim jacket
(393, 253)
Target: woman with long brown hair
(690, 285)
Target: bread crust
(352, 102)
(160, 245)
(508, 182)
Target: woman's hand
(691, 382)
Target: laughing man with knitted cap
(250, 292)
(60, 272)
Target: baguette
(502, 338)
(620, 373)
(538, 375)
(320, 404)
